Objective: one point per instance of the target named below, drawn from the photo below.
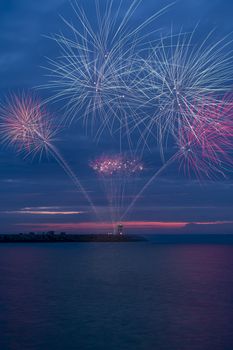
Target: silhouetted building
(50, 233)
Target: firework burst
(95, 75)
(25, 124)
(178, 76)
(205, 147)
(118, 174)
(116, 164)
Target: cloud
(42, 212)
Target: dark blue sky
(42, 186)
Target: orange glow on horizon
(106, 225)
(95, 226)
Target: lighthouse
(119, 230)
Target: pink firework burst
(206, 144)
(25, 124)
(116, 164)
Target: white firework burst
(179, 75)
(95, 77)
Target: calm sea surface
(116, 296)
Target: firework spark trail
(25, 124)
(149, 182)
(203, 148)
(178, 75)
(56, 154)
(95, 75)
(116, 172)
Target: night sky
(37, 195)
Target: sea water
(118, 296)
